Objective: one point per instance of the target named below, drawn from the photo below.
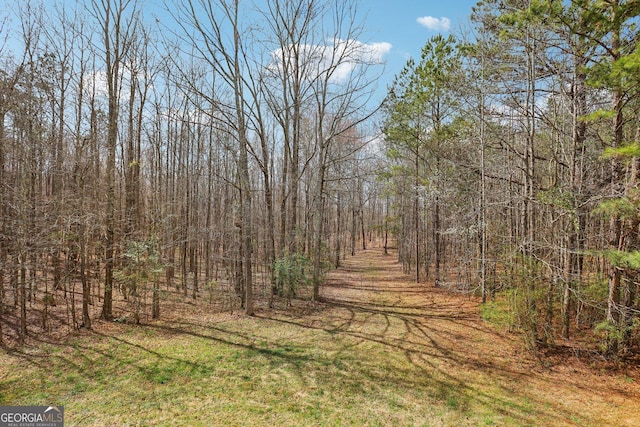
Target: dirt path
(382, 351)
(457, 354)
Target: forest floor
(380, 350)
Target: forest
(222, 155)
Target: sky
(397, 28)
(405, 25)
(408, 24)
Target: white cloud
(435, 24)
(355, 52)
(339, 58)
(96, 82)
(372, 52)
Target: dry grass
(381, 350)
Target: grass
(383, 351)
(200, 376)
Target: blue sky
(408, 24)
(405, 25)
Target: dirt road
(466, 361)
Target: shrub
(142, 266)
(289, 273)
(499, 313)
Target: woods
(147, 160)
(512, 155)
(227, 154)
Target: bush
(498, 313)
(592, 299)
(289, 273)
(142, 266)
(524, 295)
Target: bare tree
(205, 24)
(9, 76)
(118, 22)
(340, 106)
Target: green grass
(245, 372)
(229, 374)
(499, 314)
(373, 359)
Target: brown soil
(435, 326)
(441, 334)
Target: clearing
(382, 350)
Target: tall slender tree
(118, 21)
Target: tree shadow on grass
(451, 352)
(374, 333)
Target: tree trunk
(615, 238)
(319, 231)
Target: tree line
(512, 164)
(221, 152)
(211, 151)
